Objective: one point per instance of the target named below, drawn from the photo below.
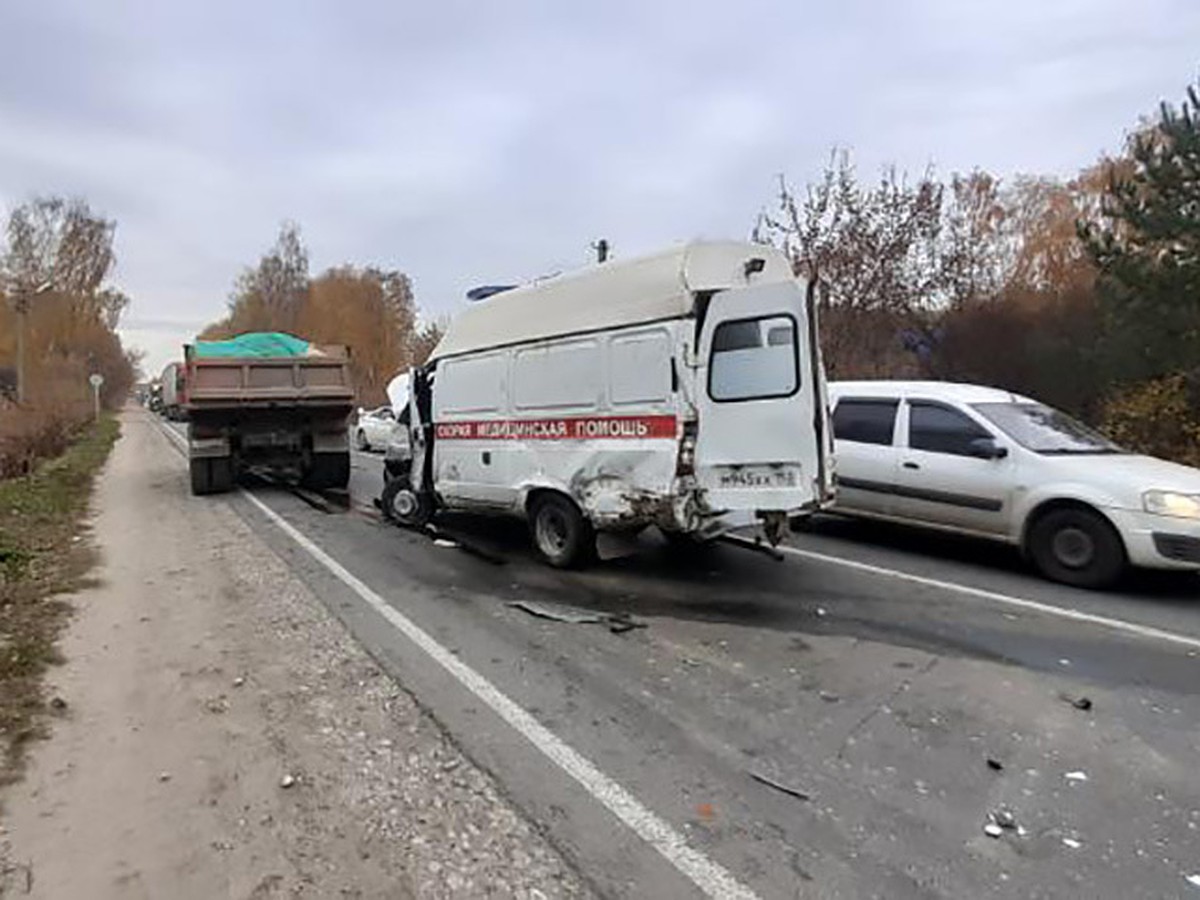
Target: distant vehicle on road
(373, 428)
(986, 462)
(682, 390)
(268, 402)
(173, 383)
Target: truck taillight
(685, 464)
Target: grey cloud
(467, 142)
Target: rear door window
(865, 421)
(754, 359)
(942, 429)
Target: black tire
(360, 441)
(201, 481)
(328, 471)
(561, 535)
(1077, 546)
(220, 474)
(400, 504)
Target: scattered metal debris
(779, 786)
(995, 765)
(1076, 776)
(1072, 843)
(287, 781)
(444, 542)
(1005, 819)
(992, 830)
(572, 615)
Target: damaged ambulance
(683, 390)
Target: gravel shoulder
(224, 736)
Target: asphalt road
(871, 675)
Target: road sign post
(96, 380)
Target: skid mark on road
(1063, 612)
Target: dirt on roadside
(223, 736)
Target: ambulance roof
(610, 295)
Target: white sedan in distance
(985, 462)
(374, 428)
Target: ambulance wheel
(561, 535)
(402, 505)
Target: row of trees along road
(1084, 292)
(370, 310)
(56, 300)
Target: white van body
(683, 390)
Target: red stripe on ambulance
(567, 429)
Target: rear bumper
(1159, 542)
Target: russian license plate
(741, 477)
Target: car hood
(1131, 473)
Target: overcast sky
(469, 143)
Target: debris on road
(58, 703)
(992, 830)
(1193, 880)
(1005, 819)
(239, 681)
(618, 623)
(445, 542)
(287, 781)
(780, 786)
(829, 696)
(1072, 843)
(1076, 776)
(1081, 703)
(995, 765)
(164, 776)
(572, 615)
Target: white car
(373, 428)
(982, 461)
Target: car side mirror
(987, 448)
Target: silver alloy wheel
(1073, 547)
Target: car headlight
(1171, 503)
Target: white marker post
(96, 380)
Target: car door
(954, 471)
(864, 431)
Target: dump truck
(268, 403)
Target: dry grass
(42, 555)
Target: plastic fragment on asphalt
(287, 781)
(445, 542)
(780, 786)
(995, 765)
(1005, 819)
(1193, 880)
(239, 681)
(820, 610)
(1082, 703)
(164, 776)
(1072, 843)
(992, 830)
(1076, 776)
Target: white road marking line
(1146, 631)
(710, 877)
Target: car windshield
(1045, 430)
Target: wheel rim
(552, 532)
(404, 504)
(1073, 547)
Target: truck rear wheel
(201, 483)
(562, 536)
(327, 471)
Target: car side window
(940, 429)
(865, 421)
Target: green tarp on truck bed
(258, 343)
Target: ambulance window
(754, 359)
(471, 385)
(640, 368)
(566, 375)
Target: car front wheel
(1077, 546)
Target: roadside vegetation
(43, 553)
(1081, 292)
